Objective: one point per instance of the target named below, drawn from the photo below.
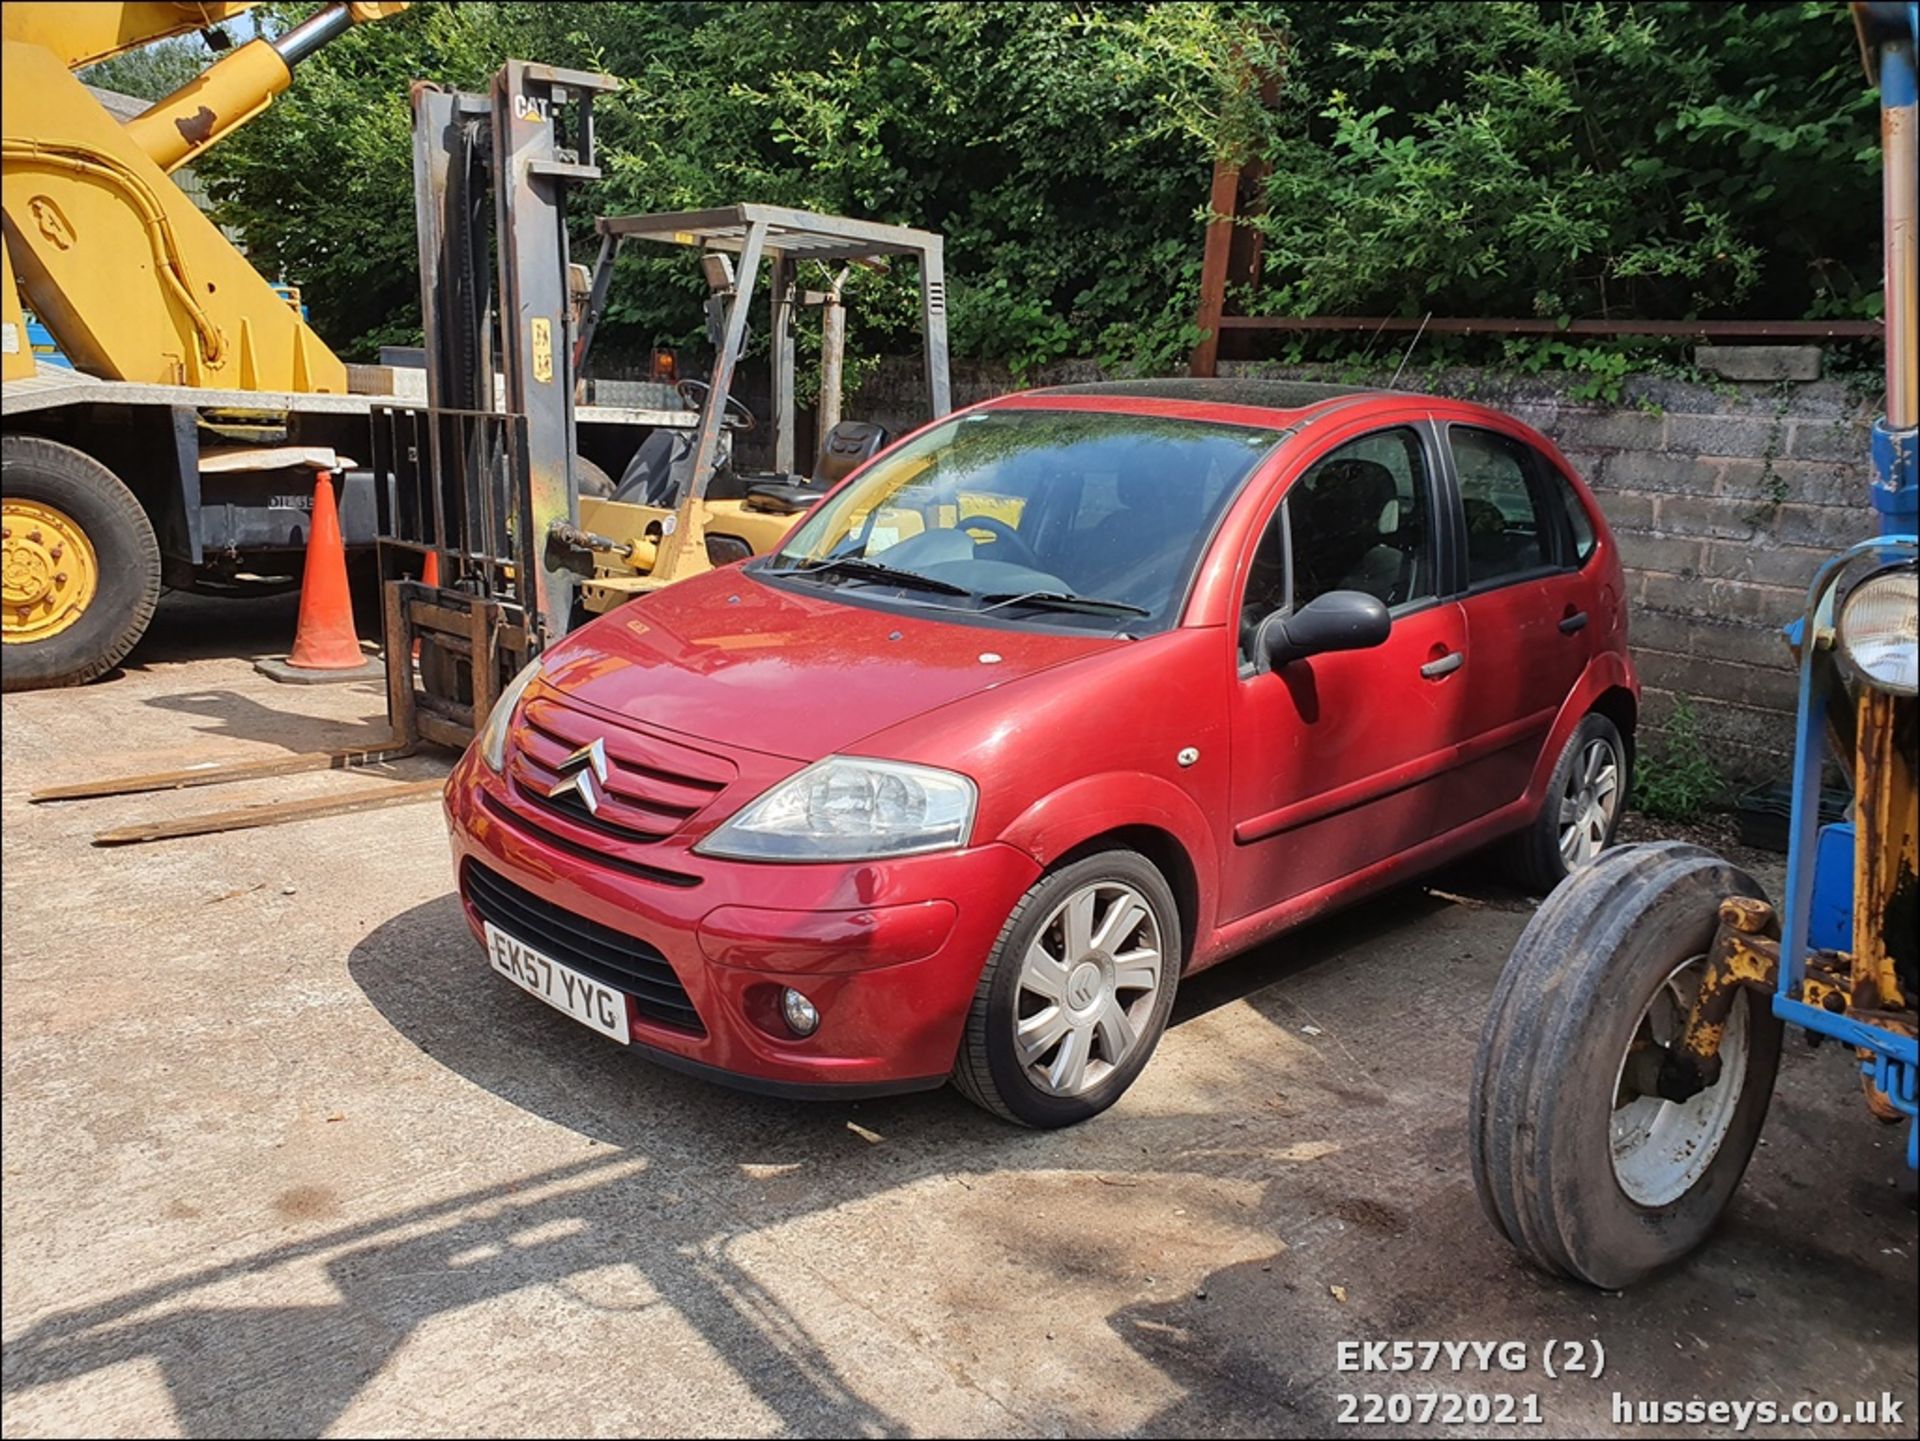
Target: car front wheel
(1076, 993)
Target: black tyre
(594, 482)
(1585, 800)
(1076, 992)
(82, 568)
(1579, 1163)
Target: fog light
(802, 1019)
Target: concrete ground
(282, 1157)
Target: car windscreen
(1082, 518)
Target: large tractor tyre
(1076, 993)
(1578, 1160)
(594, 483)
(81, 566)
(1586, 798)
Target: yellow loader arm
(133, 281)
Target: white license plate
(561, 987)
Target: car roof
(1272, 402)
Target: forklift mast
(485, 474)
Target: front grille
(611, 957)
(652, 788)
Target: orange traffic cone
(429, 575)
(325, 646)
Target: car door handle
(1574, 623)
(1446, 665)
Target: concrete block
(1662, 470)
(1771, 688)
(1759, 362)
(1724, 600)
(1764, 564)
(1714, 639)
(1708, 516)
(1817, 482)
(1836, 439)
(1726, 435)
(1673, 555)
(1589, 465)
(1832, 526)
(1661, 630)
(1609, 430)
(1625, 510)
(1746, 744)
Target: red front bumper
(888, 951)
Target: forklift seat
(849, 445)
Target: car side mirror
(1338, 620)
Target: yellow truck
(178, 448)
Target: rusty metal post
(1223, 204)
(1886, 873)
(1745, 953)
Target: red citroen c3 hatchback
(1052, 703)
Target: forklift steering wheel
(695, 393)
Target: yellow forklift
(491, 541)
(682, 505)
(520, 551)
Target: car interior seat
(1127, 544)
(1495, 545)
(1348, 533)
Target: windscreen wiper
(864, 569)
(1060, 600)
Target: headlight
(1877, 631)
(492, 739)
(845, 808)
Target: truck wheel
(1586, 797)
(594, 482)
(1076, 993)
(81, 566)
(1578, 1160)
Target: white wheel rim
(1588, 803)
(1087, 988)
(1662, 1148)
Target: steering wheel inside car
(695, 393)
(1003, 534)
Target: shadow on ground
(1250, 1351)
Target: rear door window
(1512, 522)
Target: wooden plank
(399, 646)
(443, 731)
(426, 615)
(350, 758)
(250, 817)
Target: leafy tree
(1578, 159)
(152, 73)
(1631, 158)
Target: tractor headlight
(492, 739)
(1877, 631)
(846, 808)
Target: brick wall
(1724, 500)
